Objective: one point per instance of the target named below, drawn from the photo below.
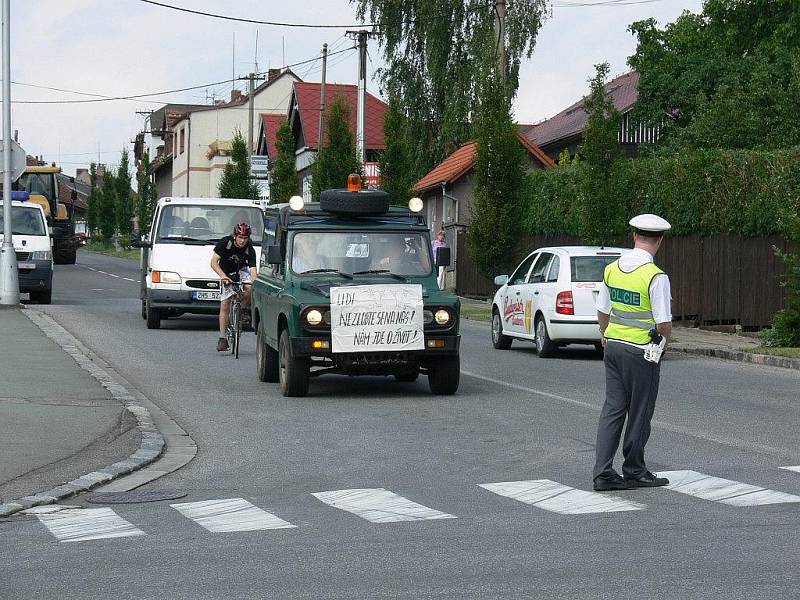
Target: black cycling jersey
(232, 258)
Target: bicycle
(234, 329)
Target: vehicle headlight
(165, 277)
(41, 255)
(442, 317)
(314, 317)
(427, 317)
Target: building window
(307, 188)
(174, 145)
(183, 139)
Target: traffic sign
(17, 160)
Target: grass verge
(130, 253)
(789, 352)
(476, 312)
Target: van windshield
(206, 223)
(24, 221)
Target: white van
(176, 273)
(33, 248)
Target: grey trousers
(631, 390)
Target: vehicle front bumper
(182, 300)
(37, 279)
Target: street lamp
(9, 280)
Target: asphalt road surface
(370, 488)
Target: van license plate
(205, 295)
(26, 265)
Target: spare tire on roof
(364, 202)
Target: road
(516, 418)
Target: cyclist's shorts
(226, 291)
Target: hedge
(708, 192)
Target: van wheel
(266, 360)
(153, 316)
(44, 297)
(499, 340)
(544, 345)
(293, 372)
(443, 375)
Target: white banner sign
(370, 318)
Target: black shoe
(222, 345)
(609, 484)
(647, 479)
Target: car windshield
(589, 268)
(25, 221)
(206, 223)
(362, 253)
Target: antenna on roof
(283, 50)
(255, 57)
(233, 63)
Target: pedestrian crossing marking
(722, 490)
(231, 514)
(795, 469)
(87, 524)
(379, 505)
(558, 498)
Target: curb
(152, 443)
(740, 356)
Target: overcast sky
(126, 47)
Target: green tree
(397, 173)
(499, 180)
(283, 176)
(146, 193)
(236, 181)
(602, 218)
(431, 48)
(106, 215)
(727, 78)
(123, 205)
(785, 329)
(93, 200)
(337, 157)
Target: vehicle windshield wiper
(338, 272)
(184, 238)
(380, 272)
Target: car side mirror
(501, 280)
(274, 255)
(443, 256)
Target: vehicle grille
(23, 255)
(203, 284)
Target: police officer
(634, 302)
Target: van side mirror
(274, 255)
(443, 256)
(140, 241)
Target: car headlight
(41, 255)
(314, 317)
(165, 277)
(442, 317)
(427, 317)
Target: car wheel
(544, 345)
(266, 359)
(499, 339)
(153, 316)
(144, 309)
(443, 375)
(293, 372)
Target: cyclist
(234, 259)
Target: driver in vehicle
(234, 259)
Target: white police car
(549, 299)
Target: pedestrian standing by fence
(440, 241)
(633, 309)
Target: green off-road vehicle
(348, 286)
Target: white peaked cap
(648, 222)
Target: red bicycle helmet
(241, 229)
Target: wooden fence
(718, 280)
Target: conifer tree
(123, 208)
(236, 180)
(146, 193)
(93, 200)
(397, 173)
(337, 158)
(107, 220)
(283, 176)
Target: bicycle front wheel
(237, 330)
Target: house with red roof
(565, 130)
(304, 109)
(448, 194)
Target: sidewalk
(62, 417)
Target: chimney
(273, 74)
(236, 95)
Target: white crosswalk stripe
(795, 469)
(555, 497)
(231, 514)
(379, 505)
(726, 491)
(80, 525)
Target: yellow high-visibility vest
(631, 317)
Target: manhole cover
(134, 496)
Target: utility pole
(9, 278)
(250, 115)
(500, 36)
(361, 116)
(322, 98)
